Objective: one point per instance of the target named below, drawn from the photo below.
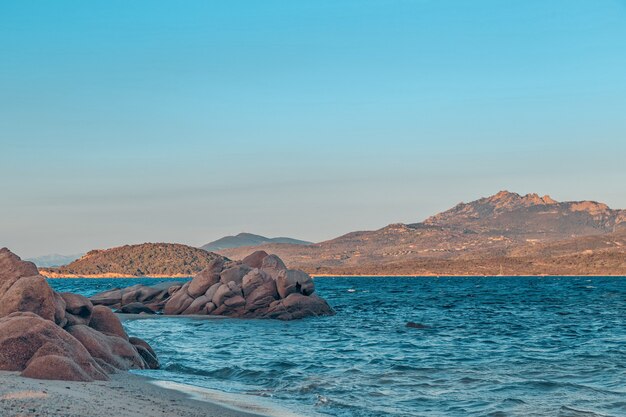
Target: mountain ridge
(248, 239)
(482, 232)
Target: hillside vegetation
(148, 259)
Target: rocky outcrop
(259, 286)
(50, 335)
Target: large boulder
(29, 294)
(198, 305)
(206, 278)
(226, 291)
(297, 306)
(108, 298)
(113, 350)
(13, 268)
(253, 280)
(136, 308)
(262, 296)
(179, 301)
(26, 337)
(255, 260)
(234, 274)
(59, 310)
(77, 308)
(105, 321)
(292, 281)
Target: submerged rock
(50, 335)
(413, 325)
(260, 286)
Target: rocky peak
(505, 200)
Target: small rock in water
(414, 325)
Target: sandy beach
(125, 395)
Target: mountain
(148, 259)
(506, 232)
(248, 239)
(53, 260)
(515, 215)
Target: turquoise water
(502, 346)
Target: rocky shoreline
(49, 335)
(259, 286)
(46, 334)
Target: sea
(482, 346)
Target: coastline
(125, 395)
(49, 274)
(117, 276)
(463, 276)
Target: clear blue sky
(133, 121)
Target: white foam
(237, 402)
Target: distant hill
(506, 232)
(148, 259)
(54, 260)
(248, 239)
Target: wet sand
(125, 395)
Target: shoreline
(125, 395)
(54, 275)
(113, 276)
(464, 276)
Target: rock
(211, 291)
(234, 274)
(255, 260)
(135, 341)
(59, 367)
(414, 325)
(29, 294)
(297, 306)
(272, 264)
(22, 288)
(253, 280)
(59, 310)
(105, 321)
(260, 286)
(27, 336)
(234, 302)
(179, 301)
(197, 306)
(226, 291)
(77, 308)
(174, 288)
(32, 338)
(136, 308)
(149, 359)
(13, 268)
(206, 278)
(292, 281)
(107, 298)
(116, 351)
(262, 296)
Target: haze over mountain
(506, 233)
(248, 239)
(53, 260)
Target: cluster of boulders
(49, 335)
(259, 286)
